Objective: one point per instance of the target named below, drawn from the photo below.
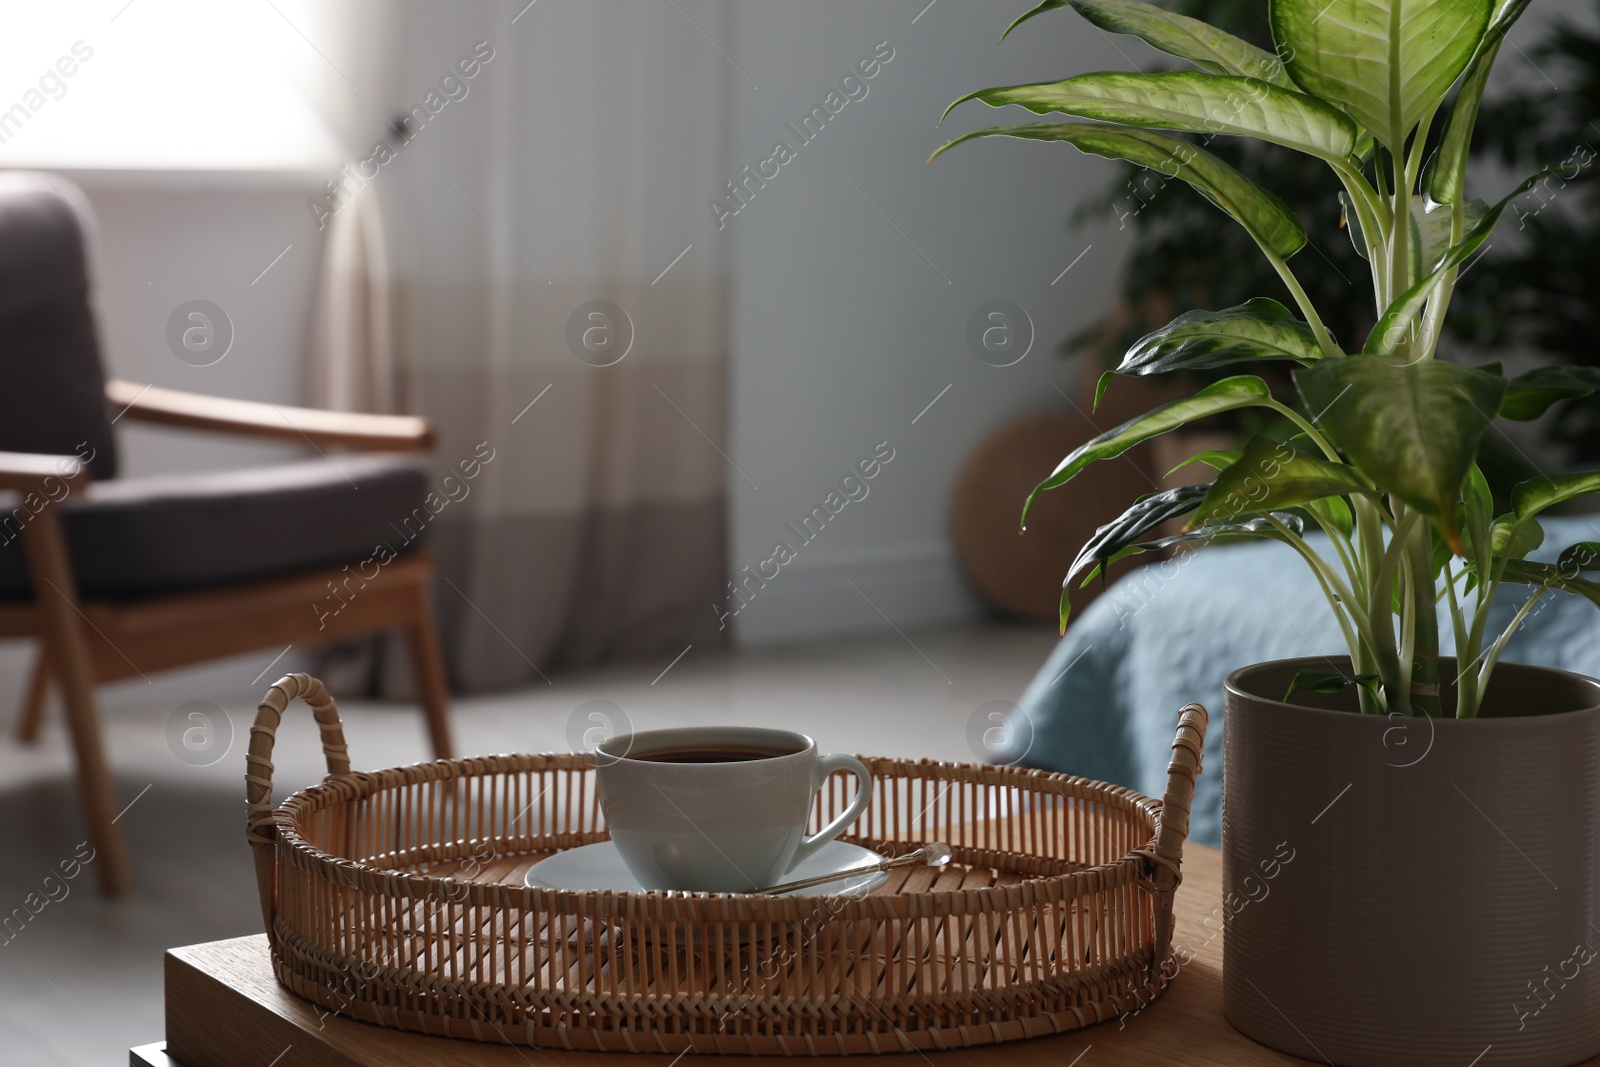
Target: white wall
(843, 331)
(162, 243)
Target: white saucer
(599, 867)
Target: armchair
(118, 578)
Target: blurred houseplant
(1384, 463)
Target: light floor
(81, 982)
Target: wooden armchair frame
(82, 644)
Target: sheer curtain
(558, 304)
(350, 67)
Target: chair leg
(55, 593)
(37, 699)
(422, 636)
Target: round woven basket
(396, 897)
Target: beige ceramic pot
(1405, 892)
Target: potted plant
(1440, 815)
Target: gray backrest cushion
(52, 387)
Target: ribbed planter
(1405, 892)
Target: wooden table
(225, 1009)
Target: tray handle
(1172, 824)
(260, 828)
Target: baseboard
(913, 588)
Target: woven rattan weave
(396, 897)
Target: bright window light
(164, 84)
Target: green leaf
(1240, 391)
(1540, 494)
(1217, 459)
(1583, 556)
(1192, 102)
(1512, 537)
(1365, 145)
(1146, 514)
(1266, 218)
(1530, 395)
(1550, 576)
(1230, 529)
(1328, 682)
(1254, 530)
(1177, 35)
(1255, 331)
(1412, 428)
(1333, 512)
(1447, 175)
(1271, 475)
(1386, 62)
(1101, 386)
(1046, 6)
(1478, 511)
(1394, 327)
(1397, 587)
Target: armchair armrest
(194, 411)
(31, 472)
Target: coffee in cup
(718, 808)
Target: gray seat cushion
(138, 537)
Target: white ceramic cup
(726, 827)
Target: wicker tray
(396, 897)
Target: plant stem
(1357, 640)
(1338, 594)
(1341, 545)
(1408, 626)
(1318, 330)
(1439, 302)
(1424, 684)
(1466, 683)
(1488, 587)
(1371, 703)
(1361, 653)
(1499, 646)
(1371, 217)
(1433, 315)
(1394, 667)
(1400, 232)
(1419, 143)
(1306, 426)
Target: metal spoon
(933, 854)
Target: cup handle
(826, 767)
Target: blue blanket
(1106, 702)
